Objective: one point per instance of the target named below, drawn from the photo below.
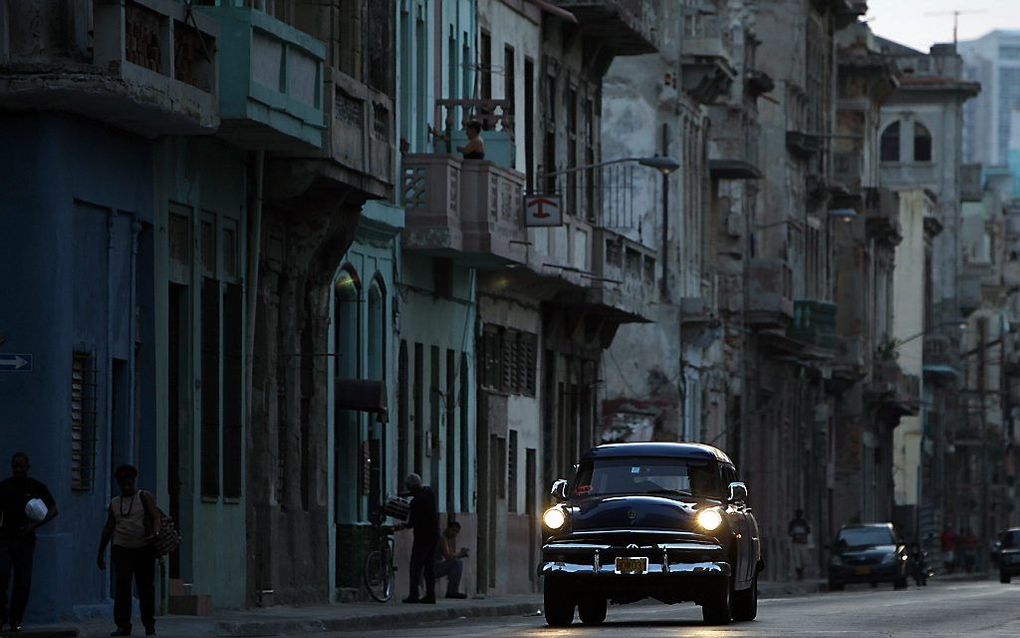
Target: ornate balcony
(708, 70)
(147, 66)
(361, 134)
(627, 27)
(496, 118)
(625, 275)
(271, 78)
(892, 391)
(941, 358)
(470, 210)
(814, 323)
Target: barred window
(83, 420)
(511, 473)
(509, 357)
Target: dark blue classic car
(668, 521)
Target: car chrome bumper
(708, 569)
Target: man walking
(17, 538)
(424, 521)
(799, 531)
(133, 517)
(450, 562)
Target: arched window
(891, 143)
(347, 437)
(376, 333)
(922, 143)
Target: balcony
(625, 276)
(814, 323)
(139, 65)
(893, 392)
(271, 78)
(941, 359)
(770, 291)
(627, 27)
(708, 71)
(848, 170)
(497, 120)
(803, 145)
(466, 209)
(882, 215)
(360, 138)
(850, 363)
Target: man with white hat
(21, 513)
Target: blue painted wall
(77, 198)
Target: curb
(276, 627)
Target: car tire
(745, 603)
(592, 611)
(834, 586)
(719, 610)
(900, 583)
(1004, 578)
(559, 608)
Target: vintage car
(668, 521)
(1009, 554)
(868, 553)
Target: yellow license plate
(862, 571)
(632, 565)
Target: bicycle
(378, 569)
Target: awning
(942, 371)
(362, 395)
(559, 12)
(733, 169)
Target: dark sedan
(868, 554)
(1009, 554)
(662, 520)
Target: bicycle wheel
(378, 575)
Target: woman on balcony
(475, 148)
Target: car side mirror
(737, 493)
(559, 490)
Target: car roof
(669, 450)
(866, 526)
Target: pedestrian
(475, 148)
(969, 544)
(424, 521)
(132, 519)
(948, 544)
(17, 537)
(449, 561)
(799, 531)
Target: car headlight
(554, 518)
(709, 519)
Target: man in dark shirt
(17, 538)
(799, 531)
(424, 521)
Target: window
(509, 76)
(403, 420)
(509, 357)
(571, 201)
(511, 473)
(486, 65)
(450, 402)
(83, 420)
(465, 437)
(233, 383)
(922, 143)
(419, 408)
(891, 143)
(529, 122)
(210, 388)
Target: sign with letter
(542, 210)
(15, 362)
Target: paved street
(942, 609)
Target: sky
(905, 21)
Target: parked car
(1009, 554)
(668, 521)
(869, 553)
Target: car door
(738, 512)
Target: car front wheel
(1004, 578)
(592, 610)
(745, 603)
(559, 608)
(719, 609)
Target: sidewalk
(272, 621)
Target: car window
(865, 537)
(648, 476)
(1011, 539)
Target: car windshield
(648, 476)
(865, 537)
(1011, 539)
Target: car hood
(634, 512)
(870, 552)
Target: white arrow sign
(15, 363)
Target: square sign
(542, 210)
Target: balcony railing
(147, 66)
(625, 26)
(770, 292)
(625, 273)
(271, 81)
(496, 118)
(361, 134)
(708, 71)
(893, 389)
(468, 209)
(814, 323)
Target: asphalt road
(969, 609)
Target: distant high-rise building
(994, 61)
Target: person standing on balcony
(475, 148)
